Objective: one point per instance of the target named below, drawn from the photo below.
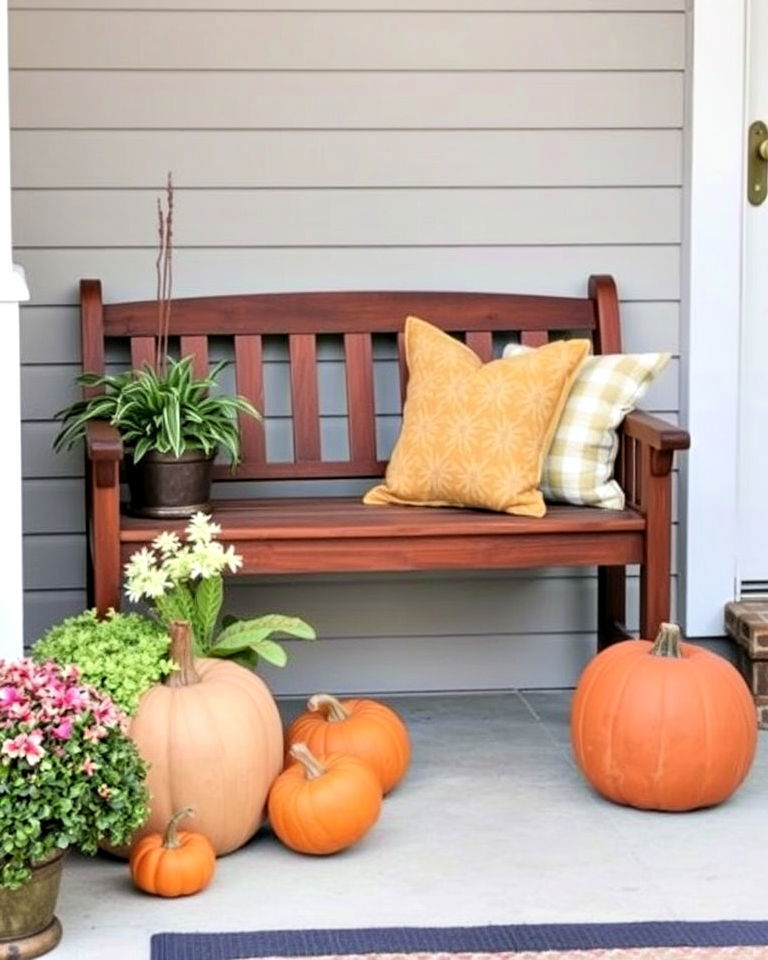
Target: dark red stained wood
(607, 336)
(196, 347)
(361, 407)
(534, 338)
(656, 564)
(304, 403)
(402, 366)
(311, 470)
(142, 352)
(655, 432)
(482, 344)
(351, 312)
(102, 441)
(91, 329)
(347, 518)
(461, 551)
(611, 605)
(250, 384)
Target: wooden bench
(321, 534)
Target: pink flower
(105, 713)
(74, 698)
(104, 791)
(26, 745)
(64, 730)
(92, 734)
(89, 767)
(8, 697)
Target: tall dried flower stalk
(164, 271)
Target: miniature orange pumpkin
(664, 725)
(213, 738)
(322, 806)
(366, 729)
(174, 864)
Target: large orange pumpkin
(359, 728)
(323, 805)
(664, 725)
(214, 741)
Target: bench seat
(331, 534)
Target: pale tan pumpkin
(214, 741)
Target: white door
(753, 467)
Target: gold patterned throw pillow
(475, 434)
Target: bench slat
(197, 348)
(351, 312)
(482, 344)
(304, 400)
(309, 470)
(142, 351)
(361, 406)
(402, 366)
(347, 517)
(534, 338)
(250, 384)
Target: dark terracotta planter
(162, 485)
(28, 927)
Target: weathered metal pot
(28, 927)
(164, 486)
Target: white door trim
(711, 312)
(13, 290)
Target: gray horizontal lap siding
(352, 145)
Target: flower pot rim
(191, 454)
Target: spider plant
(168, 413)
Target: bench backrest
(355, 318)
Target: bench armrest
(655, 432)
(102, 441)
(104, 451)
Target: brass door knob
(757, 163)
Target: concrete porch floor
(493, 824)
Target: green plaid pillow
(579, 466)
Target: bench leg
(655, 597)
(611, 606)
(104, 538)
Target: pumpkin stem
(330, 706)
(170, 838)
(181, 653)
(667, 643)
(312, 766)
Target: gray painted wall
(353, 144)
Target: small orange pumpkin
(664, 725)
(174, 864)
(366, 729)
(323, 806)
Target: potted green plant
(123, 655)
(171, 422)
(69, 776)
(183, 580)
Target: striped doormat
(674, 940)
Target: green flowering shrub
(123, 655)
(69, 773)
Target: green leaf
(272, 652)
(209, 594)
(244, 635)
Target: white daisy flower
(167, 543)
